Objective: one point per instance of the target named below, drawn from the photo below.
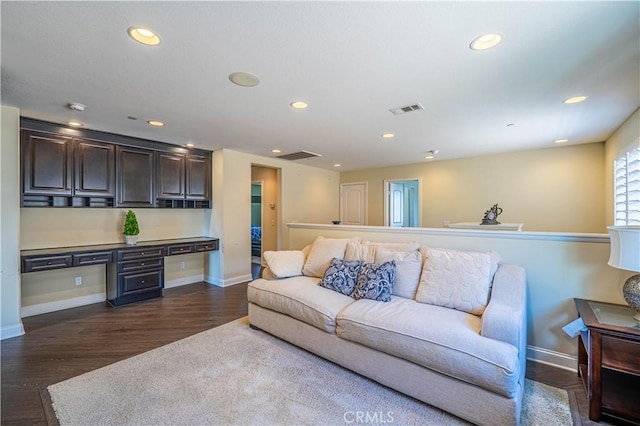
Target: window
(627, 188)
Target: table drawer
(143, 281)
(140, 253)
(94, 258)
(621, 354)
(136, 265)
(46, 263)
(179, 249)
(207, 246)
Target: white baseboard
(184, 281)
(11, 331)
(552, 358)
(229, 281)
(44, 308)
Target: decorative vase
(631, 293)
(131, 240)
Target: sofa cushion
(320, 255)
(341, 276)
(408, 270)
(357, 251)
(456, 279)
(441, 339)
(376, 281)
(284, 263)
(301, 298)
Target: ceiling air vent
(300, 155)
(409, 108)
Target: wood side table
(609, 360)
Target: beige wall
(624, 139)
(557, 189)
(306, 194)
(269, 179)
(10, 324)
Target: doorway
(402, 203)
(264, 205)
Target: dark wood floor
(65, 344)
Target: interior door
(397, 210)
(353, 203)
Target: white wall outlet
(182, 264)
(78, 280)
(445, 223)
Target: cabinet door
(198, 178)
(171, 176)
(47, 163)
(135, 173)
(95, 168)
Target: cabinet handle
(48, 263)
(142, 254)
(142, 264)
(93, 258)
(142, 282)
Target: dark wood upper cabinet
(198, 178)
(47, 164)
(171, 176)
(68, 167)
(94, 169)
(135, 177)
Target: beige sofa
(433, 349)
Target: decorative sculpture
(491, 216)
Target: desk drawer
(94, 258)
(179, 249)
(141, 282)
(621, 354)
(140, 253)
(207, 246)
(47, 263)
(136, 265)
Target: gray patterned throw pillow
(376, 281)
(341, 275)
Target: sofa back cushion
(358, 251)
(320, 255)
(408, 270)
(457, 279)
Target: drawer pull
(181, 249)
(93, 258)
(141, 263)
(142, 282)
(142, 254)
(48, 263)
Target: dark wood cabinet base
(137, 297)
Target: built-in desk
(133, 272)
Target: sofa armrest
(505, 317)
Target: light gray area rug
(239, 376)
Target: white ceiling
(350, 61)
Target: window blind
(627, 188)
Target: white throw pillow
(395, 246)
(456, 279)
(321, 253)
(285, 263)
(408, 270)
(358, 251)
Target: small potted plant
(131, 229)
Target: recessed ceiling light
(299, 105)
(190, 145)
(276, 151)
(387, 135)
(144, 36)
(75, 124)
(337, 165)
(486, 41)
(76, 106)
(155, 123)
(562, 140)
(431, 154)
(575, 99)
(244, 79)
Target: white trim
(515, 235)
(386, 193)
(10, 331)
(184, 281)
(229, 281)
(553, 358)
(59, 305)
